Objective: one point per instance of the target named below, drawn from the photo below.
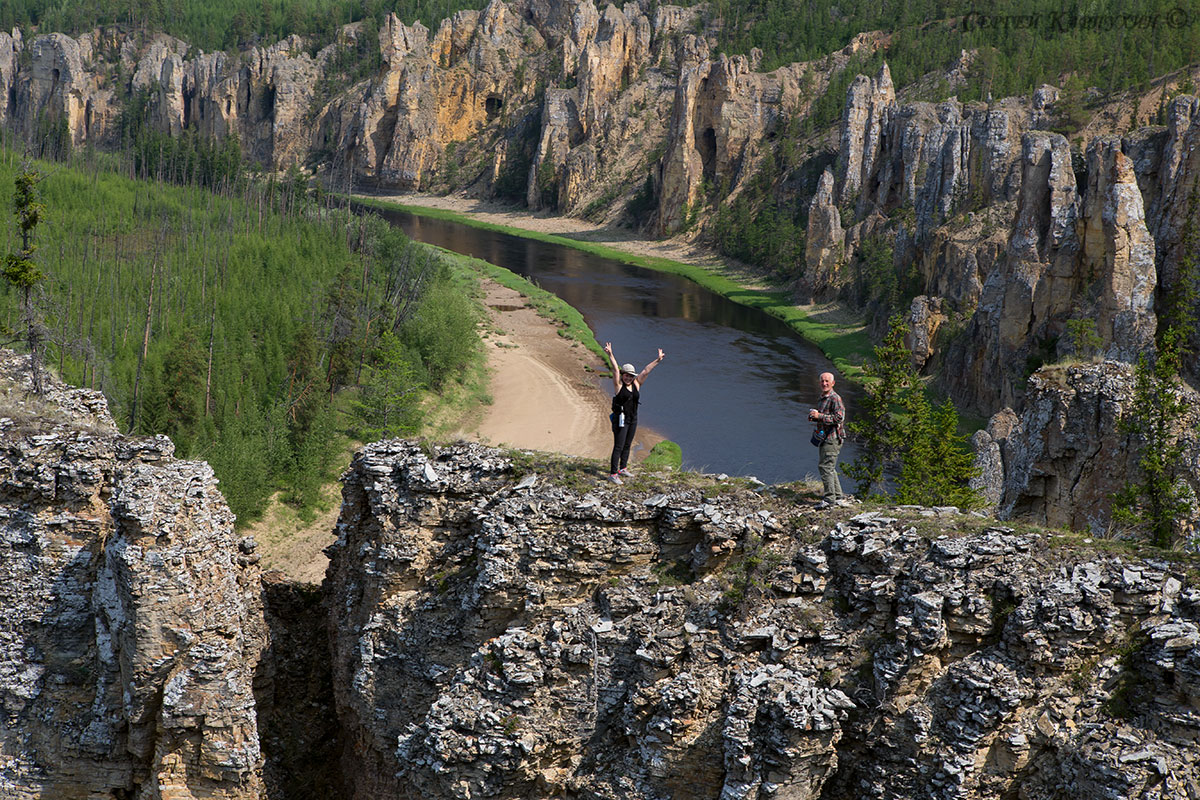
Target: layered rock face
(723, 113)
(497, 634)
(1063, 458)
(1017, 237)
(825, 244)
(132, 623)
(496, 628)
(263, 96)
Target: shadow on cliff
(293, 688)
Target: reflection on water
(736, 386)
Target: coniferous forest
(258, 328)
(1021, 43)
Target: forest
(212, 25)
(262, 330)
(1021, 44)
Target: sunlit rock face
(1019, 235)
(496, 633)
(132, 623)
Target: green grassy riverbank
(846, 344)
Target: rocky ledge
(499, 633)
(497, 624)
(132, 622)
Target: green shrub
(443, 331)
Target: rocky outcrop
(869, 106)
(1003, 235)
(1168, 166)
(933, 158)
(495, 628)
(10, 48)
(627, 94)
(263, 96)
(560, 131)
(132, 623)
(56, 88)
(1116, 248)
(1035, 286)
(497, 634)
(1064, 458)
(924, 318)
(825, 241)
(723, 113)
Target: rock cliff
(576, 104)
(132, 623)
(497, 634)
(1063, 458)
(1014, 233)
(492, 624)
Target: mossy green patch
(666, 455)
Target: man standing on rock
(830, 416)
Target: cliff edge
(498, 624)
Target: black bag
(819, 436)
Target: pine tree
(900, 430)
(1161, 498)
(21, 270)
(390, 403)
(938, 465)
(888, 379)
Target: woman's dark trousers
(622, 442)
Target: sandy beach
(617, 238)
(544, 397)
(546, 393)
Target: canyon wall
(132, 624)
(500, 635)
(499, 624)
(1063, 460)
(1008, 230)
(577, 105)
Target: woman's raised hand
(608, 348)
(661, 354)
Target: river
(737, 383)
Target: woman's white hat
(629, 368)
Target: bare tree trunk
(137, 380)
(212, 325)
